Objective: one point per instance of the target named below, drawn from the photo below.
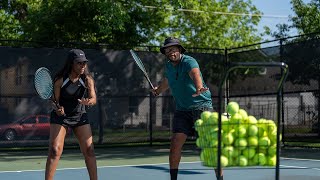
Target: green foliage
(74, 20)
(10, 26)
(301, 55)
(203, 23)
(209, 23)
(307, 19)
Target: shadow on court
(166, 170)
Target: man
(192, 96)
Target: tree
(10, 27)
(301, 53)
(205, 23)
(307, 19)
(215, 24)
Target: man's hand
(199, 91)
(154, 91)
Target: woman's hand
(60, 111)
(85, 101)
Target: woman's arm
(92, 97)
(56, 96)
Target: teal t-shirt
(182, 86)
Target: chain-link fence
(127, 113)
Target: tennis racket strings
(43, 83)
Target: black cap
(77, 55)
(172, 41)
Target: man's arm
(164, 85)
(197, 80)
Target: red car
(27, 127)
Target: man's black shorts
(183, 121)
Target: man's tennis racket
(138, 61)
(44, 85)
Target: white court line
(155, 164)
(300, 167)
(298, 159)
(132, 165)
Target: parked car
(27, 127)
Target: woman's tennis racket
(138, 61)
(44, 85)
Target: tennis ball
(236, 152)
(261, 150)
(249, 152)
(272, 150)
(252, 130)
(271, 160)
(261, 122)
(242, 160)
(273, 137)
(225, 124)
(244, 114)
(202, 156)
(240, 131)
(211, 162)
(235, 119)
(200, 133)
(270, 126)
(227, 151)
(198, 124)
(206, 153)
(223, 161)
(240, 143)
(227, 139)
(205, 116)
(212, 133)
(259, 159)
(213, 118)
(232, 108)
(251, 162)
(252, 141)
(252, 120)
(201, 142)
(213, 143)
(264, 142)
(261, 131)
(231, 161)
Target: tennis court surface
(142, 163)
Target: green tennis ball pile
(245, 140)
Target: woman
(73, 90)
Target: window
(18, 75)
(30, 120)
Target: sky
(281, 8)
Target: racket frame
(137, 60)
(51, 98)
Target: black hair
(66, 69)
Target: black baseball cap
(77, 55)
